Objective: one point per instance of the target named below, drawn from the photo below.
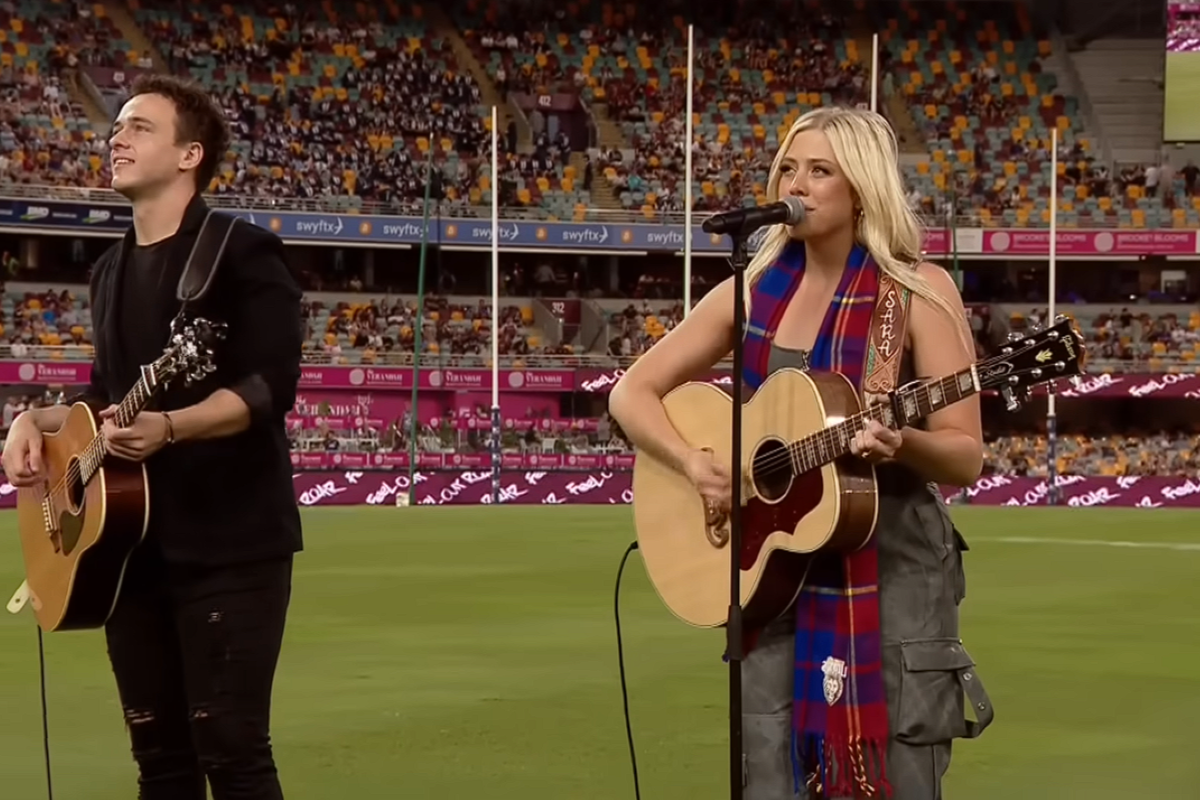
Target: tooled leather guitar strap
(889, 328)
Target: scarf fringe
(840, 769)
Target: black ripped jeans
(194, 652)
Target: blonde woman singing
(892, 630)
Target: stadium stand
(342, 327)
(306, 88)
(336, 105)
(349, 327)
(53, 324)
(629, 64)
(338, 102)
(974, 79)
(1150, 453)
(1149, 338)
(532, 435)
(46, 136)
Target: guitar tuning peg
(1060, 319)
(1014, 336)
(1011, 403)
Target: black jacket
(225, 500)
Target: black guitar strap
(205, 257)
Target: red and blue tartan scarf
(840, 716)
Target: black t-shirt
(142, 280)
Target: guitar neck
(906, 407)
(133, 404)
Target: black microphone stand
(739, 260)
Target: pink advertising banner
(1072, 242)
(364, 377)
(609, 487)
(347, 487)
(67, 373)
(1095, 242)
(544, 424)
(323, 461)
(74, 373)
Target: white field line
(1188, 546)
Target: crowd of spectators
(361, 327)
(639, 327)
(377, 329)
(765, 65)
(45, 134)
(1136, 334)
(55, 154)
(579, 435)
(357, 132)
(56, 320)
(1160, 453)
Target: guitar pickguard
(760, 519)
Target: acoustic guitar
(803, 492)
(79, 528)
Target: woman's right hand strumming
(22, 459)
(711, 479)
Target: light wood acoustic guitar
(803, 493)
(79, 528)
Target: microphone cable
(45, 712)
(637, 791)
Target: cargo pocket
(937, 680)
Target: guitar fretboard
(825, 446)
(93, 455)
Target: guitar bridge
(716, 525)
(50, 521)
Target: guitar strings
(74, 471)
(834, 437)
(853, 425)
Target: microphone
(745, 221)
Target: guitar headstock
(1028, 360)
(189, 355)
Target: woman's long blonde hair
(865, 148)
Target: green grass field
(470, 653)
(1181, 123)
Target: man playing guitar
(195, 636)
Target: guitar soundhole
(74, 488)
(772, 470)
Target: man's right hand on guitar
(710, 478)
(23, 464)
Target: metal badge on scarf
(835, 679)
